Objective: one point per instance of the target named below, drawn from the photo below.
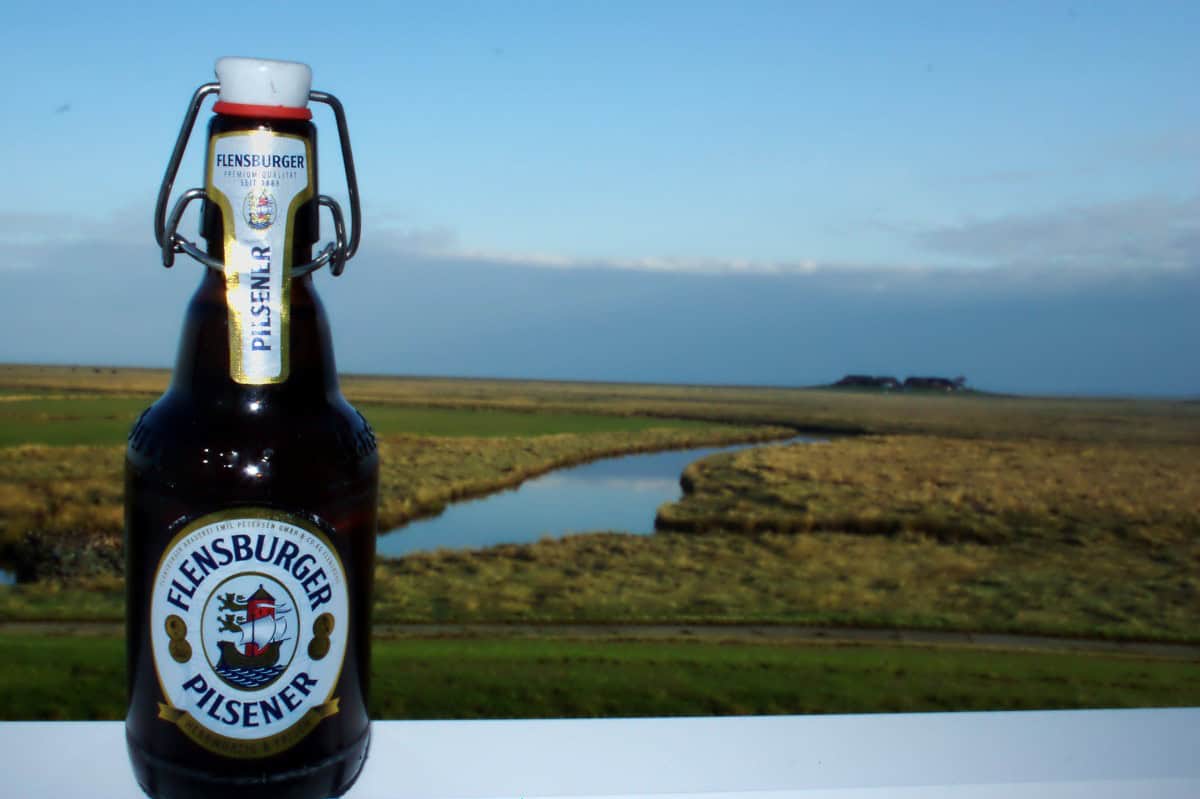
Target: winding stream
(614, 494)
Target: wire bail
(336, 253)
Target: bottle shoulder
(255, 438)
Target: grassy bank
(83, 678)
(822, 578)
(819, 578)
(1042, 534)
(1034, 493)
(61, 507)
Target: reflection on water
(620, 494)
(7, 577)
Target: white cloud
(32, 238)
(422, 240)
(650, 263)
(441, 243)
(1144, 233)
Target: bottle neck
(202, 367)
(258, 308)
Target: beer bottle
(251, 484)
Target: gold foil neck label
(259, 179)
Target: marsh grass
(819, 578)
(82, 677)
(1076, 517)
(1035, 535)
(61, 507)
(993, 492)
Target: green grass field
(492, 423)
(968, 415)
(58, 421)
(48, 677)
(92, 420)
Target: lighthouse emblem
(252, 632)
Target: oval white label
(248, 626)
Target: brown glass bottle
(213, 448)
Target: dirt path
(790, 634)
(710, 633)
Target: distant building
(932, 384)
(910, 384)
(867, 381)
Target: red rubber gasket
(261, 111)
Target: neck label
(258, 179)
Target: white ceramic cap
(259, 81)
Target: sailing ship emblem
(259, 624)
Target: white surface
(1064, 754)
(258, 81)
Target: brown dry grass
(1039, 535)
(950, 489)
(61, 508)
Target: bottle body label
(248, 628)
(259, 179)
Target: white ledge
(1106, 753)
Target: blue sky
(703, 192)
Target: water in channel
(619, 494)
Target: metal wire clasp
(336, 253)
